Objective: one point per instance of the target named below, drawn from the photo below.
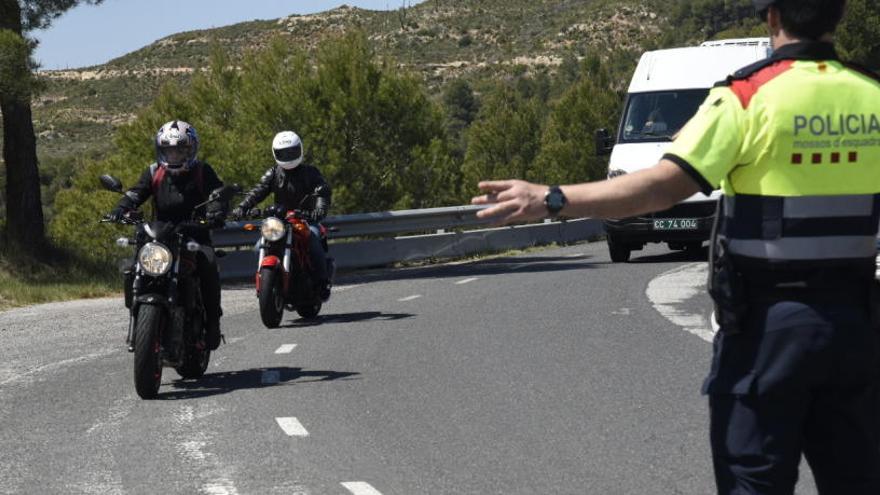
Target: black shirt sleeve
(139, 193)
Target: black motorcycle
(163, 294)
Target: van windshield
(657, 116)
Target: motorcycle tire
(271, 298)
(195, 363)
(147, 345)
(309, 312)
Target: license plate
(675, 224)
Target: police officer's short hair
(810, 18)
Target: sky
(91, 35)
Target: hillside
(439, 39)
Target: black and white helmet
(287, 148)
(177, 145)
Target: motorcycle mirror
(111, 183)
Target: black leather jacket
(176, 196)
(290, 188)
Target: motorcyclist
(177, 182)
(292, 181)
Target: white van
(666, 89)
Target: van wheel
(619, 251)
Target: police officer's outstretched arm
(653, 189)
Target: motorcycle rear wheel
(195, 363)
(309, 312)
(271, 297)
(147, 359)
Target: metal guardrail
(429, 233)
(380, 224)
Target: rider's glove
(318, 215)
(238, 213)
(321, 207)
(216, 219)
(117, 214)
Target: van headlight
(155, 259)
(272, 229)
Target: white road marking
(270, 377)
(285, 349)
(409, 298)
(466, 281)
(216, 477)
(343, 288)
(670, 289)
(576, 255)
(292, 427)
(360, 488)
(517, 267)
(60, 364)
(622, 312)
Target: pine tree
(24, 210)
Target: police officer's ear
(774, 21)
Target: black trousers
(801, 378)
(209, 276)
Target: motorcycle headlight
(272, 229)
(155, 259)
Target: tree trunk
(24, 208)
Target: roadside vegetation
(53, 276)
(400, 109)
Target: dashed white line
(285, 349)
(360, 488)
(517, 267)
(292, 427)
(466, 281)
(409, 298)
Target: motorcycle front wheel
(271, 297)
(147, 345)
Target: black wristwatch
(555, 200)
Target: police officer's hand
(511, 201)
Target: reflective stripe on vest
(818, 228)
(806, 248)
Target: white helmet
(287, 148)
(177, 145)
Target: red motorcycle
(285, 276)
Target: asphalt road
(553, 372)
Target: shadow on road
(230, 381)
(672, 256)
(346, 318)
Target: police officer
(177, 182)
(794, 143)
